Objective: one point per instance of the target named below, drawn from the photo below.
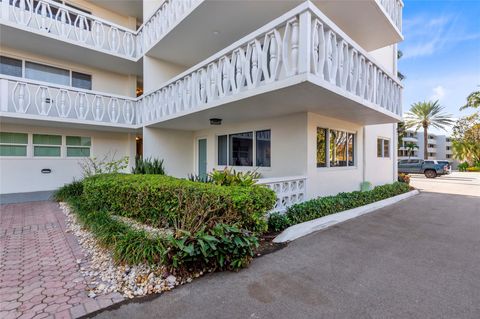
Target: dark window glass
(386, 148)
(10, 66)
(82, 81)
(379, 147)
(46, 73)
(241, 149)
(338, 148)
(262, 140)
(222, 150)
(321, 147)
(351, 149)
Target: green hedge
(324, 206)
(221, 247)
(164, 201)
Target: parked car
(430, 168)
(449, 165)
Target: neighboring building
(306, 93)
(439, 147)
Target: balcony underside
(213, 24)
(300, 94)
(37, 120)
(364, 21)
(42, 44)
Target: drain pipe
(364, 155)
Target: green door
(202, 158)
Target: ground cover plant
(324, 206)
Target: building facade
(439, 147)
(304, 92)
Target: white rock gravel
(103, 276)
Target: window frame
(254, 149)
(16, 144)
(70, 71)
(59, 146)
(67, 146)
(347, 154)
(383, 140)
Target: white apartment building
(439, 147)
(304, 92)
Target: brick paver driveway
(39, 265)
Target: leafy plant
(404, 178)
(72, 190)
(230, 177)
(462, 167)
(148, 166)
(198, 178)
(91, 166)
(324, 206)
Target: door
(202, 158)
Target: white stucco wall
(175, 147)
(386, 57)
(124, 21)
(288, 144)
(102, 81)
(156, 72)
(23, 174)
(378, 170)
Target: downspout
(394, 152)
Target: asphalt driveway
(419, 258)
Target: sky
(441, 52)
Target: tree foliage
(473, 101)
(466, 138)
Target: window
(340, 148)
(241, 149)
(78, 146)
(82, 81)
(262, 144)
(383, 147)
(10, 66)
(47, 145)
(13, 144)
(238, 149)
(449, 156)
(46, 73)
(321, 147)
(448, 148)
(222, 149)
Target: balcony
(432, 141)
(47, 27)
(23, 100)
(410, 139)
(431, 150)
(300, 62)
(371, 23)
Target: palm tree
(473, 101)
(425, 115)
(410, 146)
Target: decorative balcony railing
(44, 100)
(68, 24)
(303, 42)
(289, 190)
(394, 9)
(167, 16)
(71, 25)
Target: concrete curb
(303, 229)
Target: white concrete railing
(394, 9)
(44, 100)
(302, 41)
(164, 19)
(68, 24)
(290, 190)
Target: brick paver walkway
(39, 272)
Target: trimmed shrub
(473, 169)
(324, 206)
(462, 167)
(72, 190)
(221, 247)
(165, 202)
